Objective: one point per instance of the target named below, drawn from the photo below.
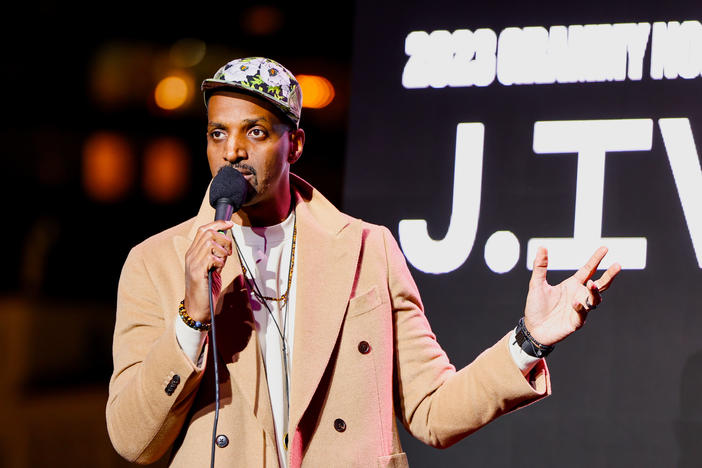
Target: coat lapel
(329, 246)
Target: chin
(252, 199)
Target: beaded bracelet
(197, 325)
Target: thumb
(540, 266)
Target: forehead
(232, 105)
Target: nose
(236, 149)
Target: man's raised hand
(554, 312)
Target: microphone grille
(230, 185)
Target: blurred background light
(108, 167)
(173, 91)
(166, 170)
(262, 20)
(117, 77)
(317, 91)
(188, 52)
(109, 84)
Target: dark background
(626, 388)
(71, 72)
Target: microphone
(228, 192)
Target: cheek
(275, 162)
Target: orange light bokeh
(317, 91)
(108, 167)
(262, 20)
(172, 92)
(166, 164)
(117, 77)
(187, 52)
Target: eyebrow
(256, 120)
(245, 121)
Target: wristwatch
(528, 344)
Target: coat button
(170, 388)
(364, 347)
(339, 425)
(222, 441)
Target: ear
(297, 142)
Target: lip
(245, 173)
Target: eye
(217, 134)
(257, 133)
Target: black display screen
(480, 131)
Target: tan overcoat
(353, 286)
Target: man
(321, 333)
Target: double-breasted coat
(364, 354)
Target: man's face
(244, 132)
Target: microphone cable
(216, 369)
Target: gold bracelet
(194, 324)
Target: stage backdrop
(481, 130)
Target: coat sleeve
(144, 413)
(435, 403)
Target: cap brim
(212, 84)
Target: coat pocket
(364, 302)
(398, 460)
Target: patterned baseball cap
(262, 77)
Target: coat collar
(329, 244)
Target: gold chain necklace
(284, 296)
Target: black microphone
(228, 192)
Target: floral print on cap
(264, 77)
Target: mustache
(243, 167)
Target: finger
(205, 237)
(591, 303)
(587, 270)
(219, 250)
(214, 226)
(594, 296)
(607, 277)
(223, 240)
(215, 263)
(587, 297)
(204, 257)
(221, 225)
(540, 265)
(581, 309)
